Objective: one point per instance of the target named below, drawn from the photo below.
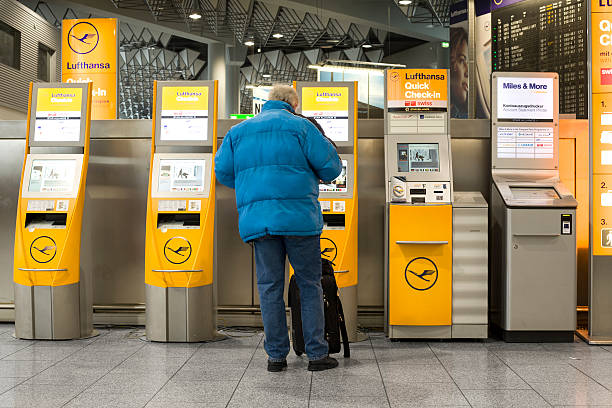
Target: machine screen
(52, 176)
(181, 175)
(418, 157)
(184, 113)
(339, 185)
(525, 99)
(329, 106)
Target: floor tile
(505, 398)
(586, 393)
(551, 374)
(422, 373)
(197, 391)
(358, 386)
(348, 401)
(17, 368)
(91, 399)
(269, 397)
(7, 383)
(487, 378)
(164, 404)
(32, 353)
(422, 394)
(351, 366)
(210, 372)
(38, 395)
(405, 355)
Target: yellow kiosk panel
(420, 265)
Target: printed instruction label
(41, 205)
(325, 206)
(195, 205)
(339, 206)
(172, 205)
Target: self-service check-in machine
(53, 296)
(419, 247)
(334, 106)
(533, 217)
(180, 213)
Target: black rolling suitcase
(335, 326)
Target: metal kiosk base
(53, 312)
(180, 314)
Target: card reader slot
(45, 220)
(333, 220)
(178, 220)
(418, 191)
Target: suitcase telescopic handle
(345, 271)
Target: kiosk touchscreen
(52, 294)
(180, 213)
(334, 106)
(533, 268)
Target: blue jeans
(305, 256)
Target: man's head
(284, 93)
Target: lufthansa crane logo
(177, 250)
(43, 249)
(83, 38)
(421, 273)
(329, 250)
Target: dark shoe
(322, 364)
(276, 366)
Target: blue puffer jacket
(275, 161)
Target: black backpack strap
(343, 332)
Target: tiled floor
(118, 369)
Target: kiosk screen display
(329, 106)
(339, 185)
(181, 175)
(58, 115)
(52, 176)
(418, 157)
(525, 99)
(184, 114)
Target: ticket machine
(53, 296)
(180, 213)
(533, 217)
(419, 213)
(334, 106)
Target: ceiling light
(367, 45)
(266, 75)
(277, 35)
(405, 2)
(249, 43)
(195, 16)
(333, 41)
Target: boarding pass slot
(178, 221)
(45, 220)
(333, 221)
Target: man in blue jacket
(275, 161)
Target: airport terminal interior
(466, 241)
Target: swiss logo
(606, 76)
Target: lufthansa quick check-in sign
(90, 53)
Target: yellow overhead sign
(90, 54)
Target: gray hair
(284, 93)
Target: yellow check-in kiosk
(180, 213)
(53, 296)
(334, 106)
(419, 211)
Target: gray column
(216, 70)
